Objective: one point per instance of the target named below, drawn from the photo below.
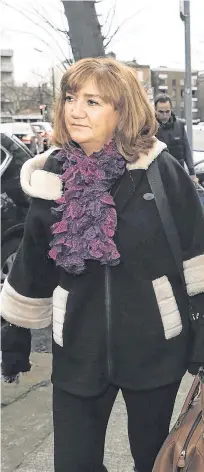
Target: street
(27, 440)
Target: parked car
(199, 126)
(14, 203)
(26, 133)
(198, 157)
(44, 128)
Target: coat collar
(39, 183)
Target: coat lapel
(124, 189)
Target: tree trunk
(84, 29)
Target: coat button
(148, 196)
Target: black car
(14, 203)
(26, 133)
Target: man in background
(172, 132)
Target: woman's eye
(69, 98)
(92, 102)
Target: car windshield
(45, 125)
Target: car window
(6, 158)
(3, 155)
(45, 125)
(36, 128)
(19, 152)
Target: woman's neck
(91, 148)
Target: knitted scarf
(86, 215)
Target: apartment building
(144, 75)
(6, 83)
(201, 94)
(171, 81)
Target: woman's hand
(15, 346)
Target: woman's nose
(78, 110)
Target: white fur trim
(45, 185)
(38, 183)
(60, 296)
(168, 308)
(194, 275)
(144, 160)
(23, 311)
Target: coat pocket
(60, 296)
(168, 307)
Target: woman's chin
(80, 137)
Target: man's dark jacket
(173, 134)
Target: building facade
(171, 81)
(7, 79)
(144, 76)
(201, 94)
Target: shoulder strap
(157, 187)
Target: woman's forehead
(89, 87)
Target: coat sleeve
(188, 215)
(26, 297)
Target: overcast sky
(153, 33)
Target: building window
(182, 82)
(174, 83)
(173, 94)
(194, 81)
(182, 93)
(194, 93)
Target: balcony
(6, 67)
(163, 87)
(163, 76)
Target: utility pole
(185, 17)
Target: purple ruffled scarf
(86, 212)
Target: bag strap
(157, 187)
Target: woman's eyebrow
(92, 95)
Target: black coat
(173, 134)
(127, 325)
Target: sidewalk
(27, 440)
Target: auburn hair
(118, 85)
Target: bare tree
(84, 29)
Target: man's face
(163, 111)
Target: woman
(95, 257)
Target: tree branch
(122, 24)
(112, 10)
(34, 22)
(43, 41)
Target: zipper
(182, 458)
(108, 318)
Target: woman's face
(89, 120)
